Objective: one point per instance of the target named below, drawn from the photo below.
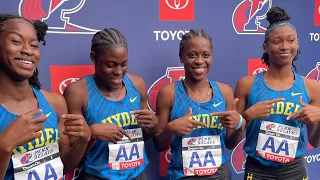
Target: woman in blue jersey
(279, 106)
(197, 116)
(114, 104)
(34, 124)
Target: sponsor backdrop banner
(153, 29)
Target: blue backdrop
(153, 29)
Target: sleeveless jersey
(50, 135)
(279, 140)
(200, 112)
(101, 110)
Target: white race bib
(39, 164)
(201, 156)
(277, 142)
(127, 153)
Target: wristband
(240, 122)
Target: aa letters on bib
(201, 156)
(127, 153)
(277, 142)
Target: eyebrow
(15, 32)
(112, 61)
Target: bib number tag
(127, 153)
(201, 156)
(39, 164)
(277, 142)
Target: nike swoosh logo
(132, 100)
(295, 94)
(216, 105)
(48, 114)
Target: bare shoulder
(312, 87)
(165, 97)
(137, 81)
(311, 83)
(224, 87)
(56, 100)
(76, 88)
(167, 89)
(246, 81)
(244, 85)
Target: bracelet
(240, 122)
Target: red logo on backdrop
(314, 74)
(60, 12)
(61, 76)
(317, 13)
(173, 74)
(248, 15)
(176, 10)
(74, 174)
(255, 66)
(165, 159)
(238, 158)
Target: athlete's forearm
(233, 137)
(315, 136)
(247, 115)
(5, 155)
(162, 140)
(73, 155)
(148, 133)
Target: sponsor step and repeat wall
(153, 29)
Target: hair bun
(277, 14)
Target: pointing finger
(274, 100)
(234, 104)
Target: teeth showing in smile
(199, 69)
(25, 62)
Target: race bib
(39, 164)
(277, 142)
(201, 156)
(127, 153)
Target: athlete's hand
(23, 129)
(184, 125)
(146, 118)
(308, 114)
(76, 126)
(229, 119)
(262, 109)
(108, 132)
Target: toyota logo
(259, 70)
(177, 4)
(65, 83)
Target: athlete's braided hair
(191, 34)
(276, 16)
(107, 38)
(40, 28)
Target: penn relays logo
(270, 126)
(173, 74)
(55, 13)
(248, 16)
(238, 158)
(315, 72)
(26, 159)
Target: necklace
(189, 90)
